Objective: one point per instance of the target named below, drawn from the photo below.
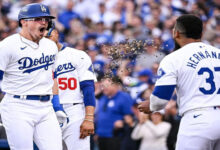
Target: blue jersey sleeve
(56, 103)
(164, 92)
(88, 90)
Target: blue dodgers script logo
(29, 65)
(64, 68)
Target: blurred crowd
(96, 26)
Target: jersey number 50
(69, 83)
(209, 80)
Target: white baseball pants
(200, 130)
(26, 121)
(71, 133)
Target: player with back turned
(76, 78)
(194, 70)
(27, 63)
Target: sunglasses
(39, 19)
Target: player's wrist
(91, 115)
(89, 120)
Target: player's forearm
(55, 100)
(160, 96)
(55, 87)
(157, 103)
(89, 113)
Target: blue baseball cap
(145, 72)
(93, 48)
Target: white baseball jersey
(27, 66)
(195, 70)
(72, 67)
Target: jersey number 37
(209, 80)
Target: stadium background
(104, 28)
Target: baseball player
(27, 65)
(76, 78)
(195, 73)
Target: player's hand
(144, 107)
(86, 128)
(62, 119)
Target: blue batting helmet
(34, 10)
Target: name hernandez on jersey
(72, 67)
(23, 61)
(200, 55)
(195, 70)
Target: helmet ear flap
(49, 25)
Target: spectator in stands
(144, 77)
(68, 14)
(112, 108)
(153, 133)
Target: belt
(76, 103)
(202, 109)
(33, 97)
(216, 107)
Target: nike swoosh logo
(195, 116)
(22, 48)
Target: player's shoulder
(48, 41)
(45, 42)
(211, 47)
(79, 52)
(171, 57)
(9, 41)
(75, 52)
(182, 52)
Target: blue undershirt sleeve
(88, 90)
(164, 92)
(56, 103)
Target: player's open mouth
(42, 29)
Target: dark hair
(190, 25)
(114, 79)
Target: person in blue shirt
(113, 107)
(68, 14)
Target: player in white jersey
(27, 65)
(76, 78)
(195, 73)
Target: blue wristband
(56, 103)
